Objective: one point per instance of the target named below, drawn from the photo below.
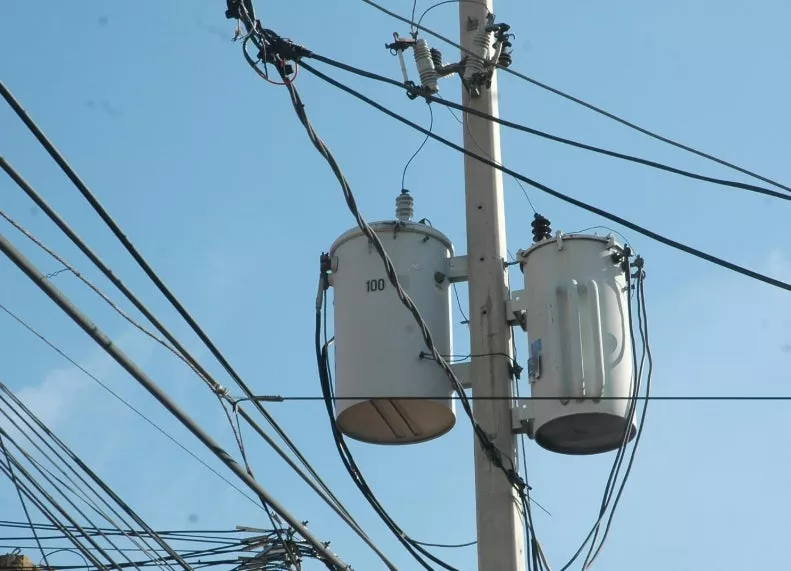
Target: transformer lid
(381, 227)
(609, 241)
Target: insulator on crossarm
(425, 66)
(404, 206)
(475, 62)
(542, 228)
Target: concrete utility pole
(500, 529)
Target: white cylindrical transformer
(581, 355)
(388, 392)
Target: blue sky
(208, 171)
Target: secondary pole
(500, 529)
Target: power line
(118, 397)
(278, 46)
(323, 491)
(42, 493)
(570, 142)
(148, 270)
(21, 498)
(565, 198)
(296, 398)
(120, 357)
(18, 406)
(585, 104)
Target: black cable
(118, 397)
(61, 487)
(565, 198)
(444, 545)
(22, 499)
(570, 142)
(621, 451)
(494, 455)
(200, 370)
(46, 512)
(237, 432)
(19, 405)
(420, 148)
(713, 398)
(416, 26)
(642, 316)
(41, 492)
(584, 103)
(71, 486)
(148, 270)
(322, 360)
(120, 357)
(458, 304)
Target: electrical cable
(585, 104)
(321, 488)
(118, 397)
(495, 455)
(22, 498)
(492, 452)
(642, 317)
(18, 407)
(41, 492)
(322, 358)
(416, 27)
(570, 142)
(148, 270)
(445, 545)
(420, 148)
(60, 490)
(714, 398)
(121, 358)
(563, 197)
(237, 432)
(621, 452)
(56, 523)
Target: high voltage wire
(559, 195)
(35, 426)
(280, 398)
(118, 397)
(149, 271)
(120, 357)
(262, 39)
(321, 489)
(18, 489)
(585, 104)
(525, 129)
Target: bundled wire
(610, 498)
(62, 458)
(325, 376)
